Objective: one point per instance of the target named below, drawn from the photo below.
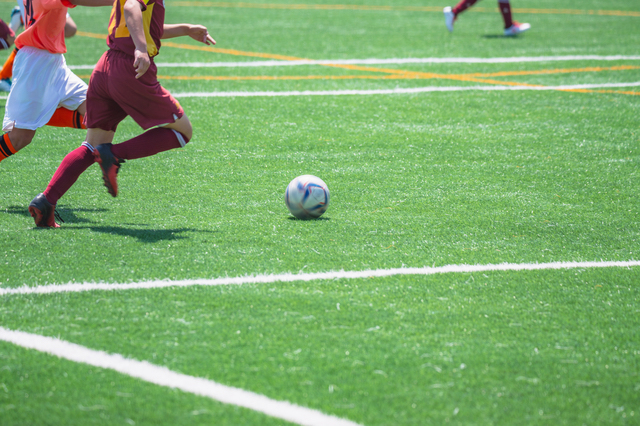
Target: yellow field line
(406, 75)
(617, 92)
(205, 48)
(91, 35)
(272, 78)
(230, 51)
(392, 73)
(398, 8)
(556, 71)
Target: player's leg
(134, 96)
(40, 87)
(451, 14)
(104, 112)
(511, 27)
(149, 143)
(73, 107)
(63, 117)
(14, 140)
(67, 173)
(181, 125)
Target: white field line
(396, 91)
(164, 377)
(401, 90)
(289, 277)
(373, 61)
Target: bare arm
(94, 3)
(133, 18)
(196, 32)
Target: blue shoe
(5, 85)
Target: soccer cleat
(449, 17)
(16, 19)
(110, 166)
(5, 85)
(43, 212)
(516, 29)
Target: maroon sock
(505, 9)
(463, 5)
(149, 143)
(68, 172)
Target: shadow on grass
(144, 235)
(71, 221)
(68, 215)
(307, 220)
(500, 36)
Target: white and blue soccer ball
(307, 197)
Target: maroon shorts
(6, 35)
(114, 93)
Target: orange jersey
(152, 20)
(44, 25)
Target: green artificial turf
(422, 179)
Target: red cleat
(43, 212)
(110, 166)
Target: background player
(17, 21)
(124, 83)
(511, 27)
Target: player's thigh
(73, 89)
(102, 111)
(144, 99)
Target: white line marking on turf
(397, 91)
(164, 377)
(373, 61)
(265, 279)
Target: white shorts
(42, 83)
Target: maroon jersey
(153, 22)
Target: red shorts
(114, 93)
(5, 33)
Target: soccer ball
(307, 197)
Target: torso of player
(153, 22)
(44, 22)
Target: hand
(200, 33)
(141, 62)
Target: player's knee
(183, 125)
(187, 133)
(183, 139)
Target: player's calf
(14, 141)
